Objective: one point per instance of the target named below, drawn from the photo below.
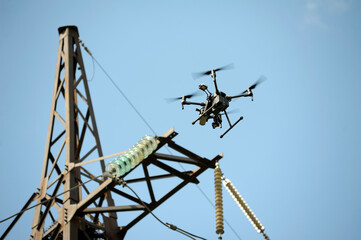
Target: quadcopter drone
(217, 103)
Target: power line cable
(93, 71)
(185, 231)
(117, 87)
(125, 97)
(168, 225)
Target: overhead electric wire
(125, 96)
(50, 199)
(186, 232)
(168, 225)
(93, 71)
(148, 125)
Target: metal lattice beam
(71, 82)
(81, 213)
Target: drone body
(217, 103)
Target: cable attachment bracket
(85, 48)
(171, 226)
(120, 181)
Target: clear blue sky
(295, 157)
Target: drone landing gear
(231, 126)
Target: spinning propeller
(260, 80)
(201, 74)
(197, 93)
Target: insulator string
(218, 200)
(244, 206)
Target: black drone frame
(220, 102)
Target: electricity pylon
(72, 127)
(71, 83)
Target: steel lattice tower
(69, 77)
(82, 213)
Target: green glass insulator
(113, 169)
(137, 154)
(131, 157)
(121, 164)
(126, 162)
(147, 145)
(152, 140)
(141, 147)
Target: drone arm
(213, 73)
(191, 103)
(246, 94)
(237, 96)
